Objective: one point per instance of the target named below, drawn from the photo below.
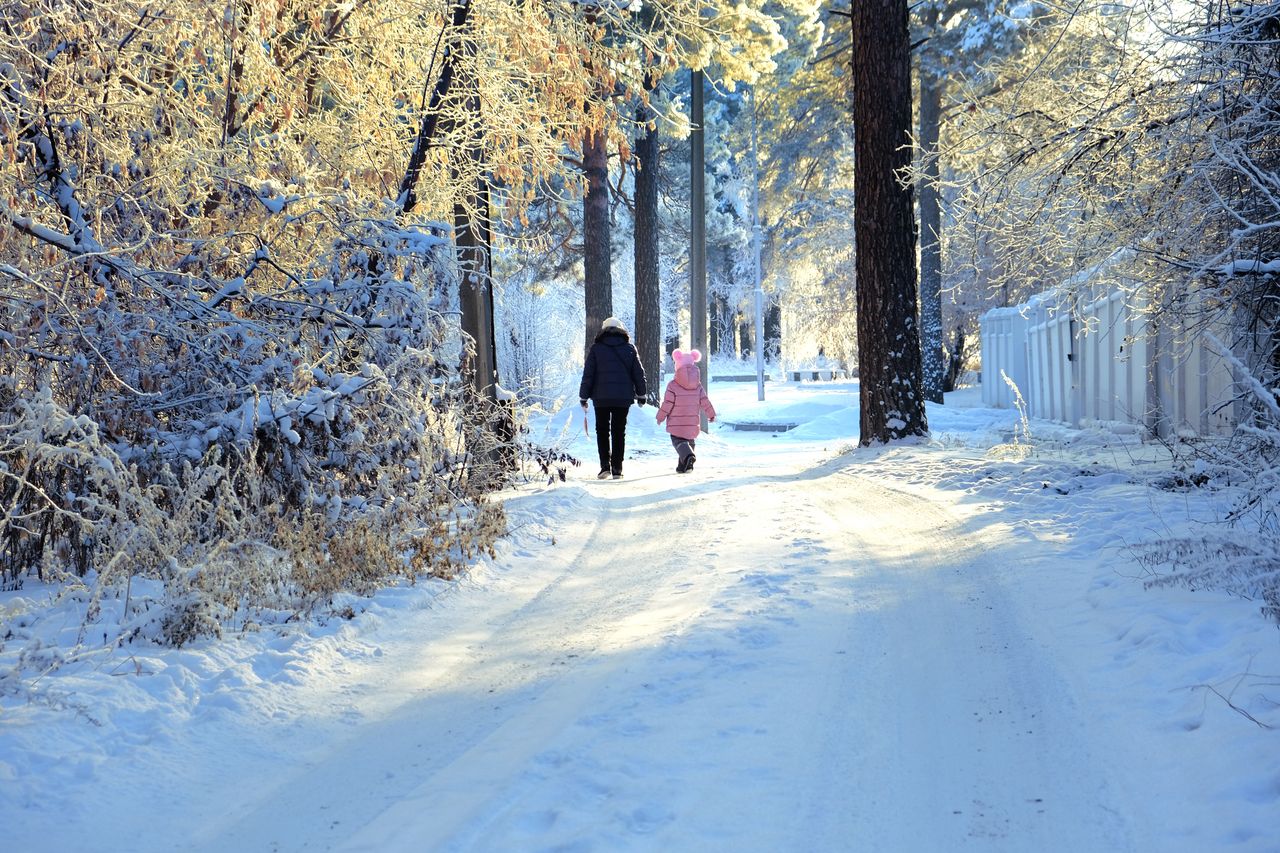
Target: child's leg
(684, 449)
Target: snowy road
(804, 661)
(928, 647)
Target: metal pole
(755, 249)
(698, 235)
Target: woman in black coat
(611, 378)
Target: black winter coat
(612, 375)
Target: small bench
(760, 426)
(737, 377)
(826, 375)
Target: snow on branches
(229, 366)
(231, 358)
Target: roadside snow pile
(83, 720)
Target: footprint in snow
(648, 819)
(767, 585)
(634, 728)
(538, 822)
(756, 638)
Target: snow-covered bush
(1150, 128)
(293, 446)
(1242, 557)
(228, 363)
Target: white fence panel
(1089, 352)
(1113, 361)
(1050, 352)
(1194, 386)
(1004, 342)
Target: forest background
(241, 244)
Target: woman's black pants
(611, 436)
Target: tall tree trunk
(773, 330)
(453, 46)
(698, 228)
(955, 362)
(933, 367)
(471, 227)
(598, 284)
(884, 225)
(472, 236)
(648, 330)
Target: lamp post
(698, 235)
(755, 249)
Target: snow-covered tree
(1147, 127)
(955, 42)
(890, 398)
(227, 255)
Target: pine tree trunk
(698, 226)
(455, 43)
(598, 284)
(884, 225)
(475, 293)
(471, 226)
(773, 330)
(933, 367)
(648, 330)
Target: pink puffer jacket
(685, 398)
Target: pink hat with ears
(686, 368)
(682, 358)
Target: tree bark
(597, 274)
(955, 362)
(773, 330)
(933, 367)
(454, 44)
(472, 236)
(472, 233)
(648, 330)
(884, 225)
(698, 229)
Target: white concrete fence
(1090, 352)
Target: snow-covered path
(928, 647)
(849, 678)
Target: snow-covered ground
(798, 646)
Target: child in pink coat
(684, 399)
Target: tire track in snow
(683, 744)
(972, 740)
(832, 668)
(498, 693)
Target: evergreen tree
(956, 40)
(890, 399)
(648, 321)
